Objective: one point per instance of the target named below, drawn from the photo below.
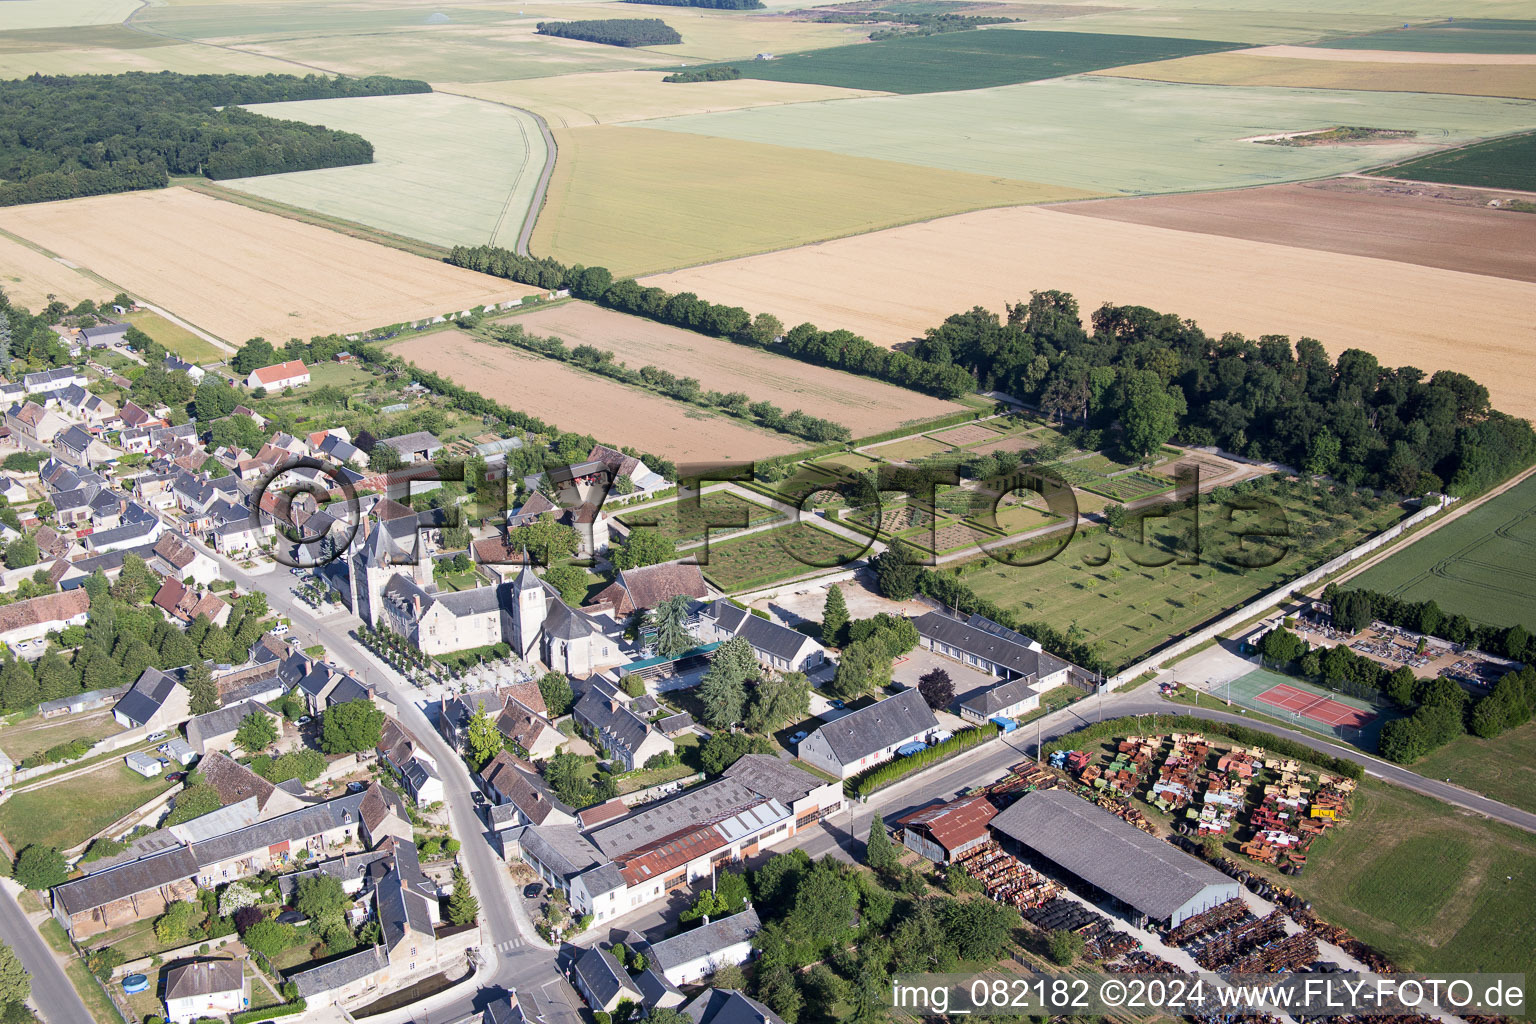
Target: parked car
(797, 737)
(279, 629)
(838, 704)
(176, 777)
(155, 737)
(532, 890)
(305, 719)
(479, 798)
(356, 787)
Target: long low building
(621, 864)
(1084, 842)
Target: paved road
(536, 203)
(52, 993)
(515, 956)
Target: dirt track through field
(862, 405)
(576, 401)
(891, 285)
(240, 273)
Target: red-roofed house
(291, 374)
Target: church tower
(530, 604)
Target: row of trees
(66, 136)
(682, 389)
(1354, 610)
(716, 5)
(614, 31)
(728, 73)
(840, 349)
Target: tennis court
(1319, 709)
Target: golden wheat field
(572, 400)
(29, 278)
(862, 405)
(891, 285)
(1472, 78)
(239, 273)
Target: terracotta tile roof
(649, 586)
(280, 371)
(527, 694)
(48, 608)
(210, 606)
(175, 550)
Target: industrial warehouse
(1074, 839)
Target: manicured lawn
(1433, 888)
(94, 801)
(34, 735)
(683, 522)
(910, 450)
(176, 338)
(1128, 608)
(1503, 768)
(458, 581)
(1482, 565)
(759, 559)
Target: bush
(884, 774)
(255, 1016)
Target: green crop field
(1431, 887)
(1128, 609)
(446, 169)
(1501, 163)
(1146, 136)
(685, 523)
(1482, 565)
(176, 338)
(1466, 36)
(760, 559)
(969, 60)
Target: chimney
(416, 602)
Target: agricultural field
(760, 559)
(28, 278)
(925, 272)
(1129, 609)
(609, 97)
(96, 799)
(176, 338)
(572, 400)
(1481, 564)
(1157, 136)
(238, 273)
(862, 405)
(1292, 23)
(41, 14)
(1449, 229)
(1431, 887)
(130, 52)
(1254, 69)
(686, 523)
(446, 169)
(1502, 163)
(637, 200)
(968, 60)
(1467, 35)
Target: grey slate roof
(503, 1011)
(1122, 860)
(772, 776)
(204, 977)
(779, 641)
(654, 987)
(882, 724)
(700, 942)
(299, 824)
(601, 709)
(146, 697)
(1003, 695)
(226, 719)
(603, 976)
(986, 639)
(344, 971)
(561, 848)
(102, 887)
(728, 1006)
(690, 808)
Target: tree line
(1354, 610)
(1156, 377)
(613, 31)
(727, 73)
(842, 350)
(682, 389)
(63, 136)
